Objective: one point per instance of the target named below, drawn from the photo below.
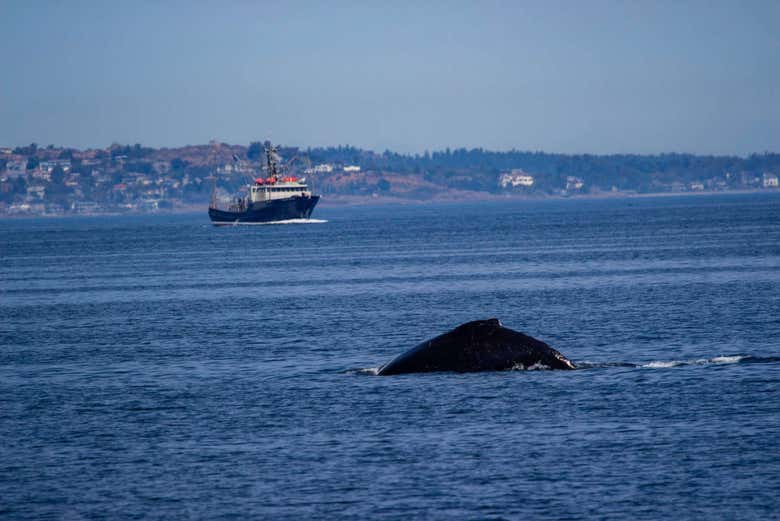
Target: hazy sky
(578, 76)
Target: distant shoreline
(342, 201)
(346, 200)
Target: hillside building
(516, 177)
(574, 183)
(49, 166)
(323, 168)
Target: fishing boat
(276, 197)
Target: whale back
(481, 345)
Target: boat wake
(286, 221)
(667, 364)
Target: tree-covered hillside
(52, 179)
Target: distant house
(351, 168)
(748, 179)
(41, 175)
(19, 208)
(770, 180)
(86, 207)
(239, 165)
(48, 166)
(227, 168)
(696, 186)
(516, 177)
(161, 167)
(324, 168)
(574, 183)
(16, 168)
(149, 205)
(36, 190)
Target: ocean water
(161, 368)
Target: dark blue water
(160, 368)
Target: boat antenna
(272, 157)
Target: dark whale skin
(481, 345)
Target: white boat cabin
(269, 190)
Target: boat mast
(271, 158)
(211, 161)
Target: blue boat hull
(269, 211)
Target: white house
(516, 177)
(323, 168)
(770, 180)
(574, 183)
(16, 168)
(48, 166)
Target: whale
(480, 345)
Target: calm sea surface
(160, 368)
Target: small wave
(733, 359)
(538, 366)
(370, 371)
(728, 359)
(664, 365)
(600, 365)
(667, 364)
